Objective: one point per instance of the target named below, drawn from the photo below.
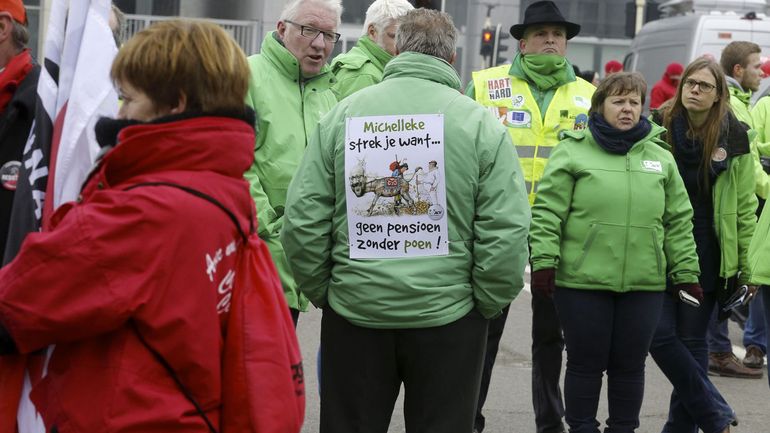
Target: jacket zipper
(628, 221)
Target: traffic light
(487, 42)
(499, 47)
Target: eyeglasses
(312, 33)
(702, 85)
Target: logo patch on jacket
(655, 166)
(582, 102)
(517, 101)
(9, 175)
(518, 119)
(581, 122)
(499, 88)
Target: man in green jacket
(742, 67)
(538, 98)
(290, 91)
(407, 289)
(362, 66)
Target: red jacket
(665, 88)
(154, 257)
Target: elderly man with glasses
(290, 90)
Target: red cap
(15, 8)
(674, 69)
(613, 66)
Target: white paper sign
(395, 190)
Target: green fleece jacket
(487, 211)
(613, 222)
(360, 67)
(288, 108)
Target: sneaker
(754, 357)
(726, 364)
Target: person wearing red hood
(665, 88)
(132, 284)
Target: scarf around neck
(546, 71)
(614, 140)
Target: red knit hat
(15, 8)
(613, 66)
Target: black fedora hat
(544, 12)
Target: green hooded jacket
(487, 211)
(613, 222)
(288, 109)
(360, 67)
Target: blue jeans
(718, 335)
(605, 331)
(680, 350)
(755, 332)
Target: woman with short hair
(611, 222)
(135, 273)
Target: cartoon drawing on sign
(396, 185)
(395, 208)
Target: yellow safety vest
(511, 101)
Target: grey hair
(427, 31)
(19, 35)
(291, 11)
(382, 12)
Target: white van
(684, 38)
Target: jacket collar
(219, 143)
(417, 65)
(374, 52)
(274, 50)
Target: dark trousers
(547, 348)
(363, 369)
(606, 331)
(679, 348)
(496, 327)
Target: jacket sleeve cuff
(540, 264)
(684, 278)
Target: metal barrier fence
(248, 34)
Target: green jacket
(759, 251)
(760, 114)
(735, 203)
(487, 211)
(360, 67)
(613, 222)
(739, 102)
(288, 110)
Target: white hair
(382, 13)
(292, 9)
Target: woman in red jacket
(128, 271)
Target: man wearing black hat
(537, 98)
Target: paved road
(509, 408)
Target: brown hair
(620, 83)
(183, 57)
(709, 132)
(737, 53)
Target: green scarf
(378, 56)
(545, 71)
